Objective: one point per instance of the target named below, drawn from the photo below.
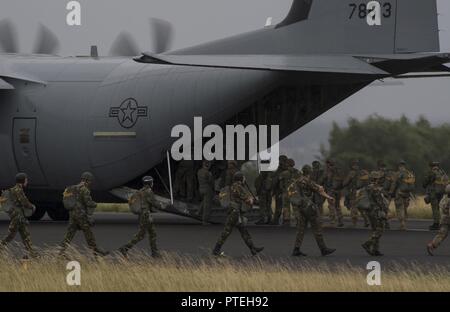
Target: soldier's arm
(87, 200)
(394, 184)
(23, 200)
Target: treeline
(377, 138)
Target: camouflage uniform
(385, 181)
(239, 196)
(333, 186)
(285, 179)
(444, 223)
(263, 186)
(80, 220)
(317, 176)
(435, 183)
(206, 190)
(301, 193)
(355, 180)
(232, 168)
(277, 191)
(377, 214)
(184, 180)
(18, 223)
(401, 195)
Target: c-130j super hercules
(113, 116)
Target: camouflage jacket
(377, 201)
(205, 180)
(444, 205)
(332, 180)
(435, 181)
(355, 180)
(398, 181)
(87, 205)
(317, 176)
(149, 203)
(240, 195)
(21, 201)
(303, 187)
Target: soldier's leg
(301, 228)
(365, 217)
(337, 208)
(278, 209)
(232, 220)
(376, 236)
(286, 208)
(316, 227)
(12, 231)
(26, 239)
(248, 239)
(441, 236)
(332, 211)
(139, 236)
(89, 236)
(207, 203)
(70, 234)
(353, 211)
(435, 208)
(400, 211)
(152, 239)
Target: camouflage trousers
(79, 223)
(145, 226)
(286, 207)
(234, 220)
(401, 208)
(441, 236)
(205, 205)
(435, 200)
(355, 212)
(319, 201)
(278, 207)
(302, 224)
(17, 225)
(377, 225)
(265, 205)
(335, 209)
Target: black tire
(38, 214)
(57, 212)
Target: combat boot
(434, 227)
(256, 250)
(217, 251)
(123, 251)
(156, 254)
(100, 253)
(377, 253)
(368, 247)
(298, 253)
(327, 251)
(430, 249)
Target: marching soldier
(317, 176)
(401, 190)
(240, 199)
(206, 190)
(147, 203)
(377, 212)
(263, 186)
(434, 184)
(277, 191)
(356, 179)
(301, 193)
(444, 223)
(18, 222)
(285, 179)
(232, 168)
(333, 186)
(80, 217)
(385, 182)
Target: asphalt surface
(188, 237)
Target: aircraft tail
(340, 26)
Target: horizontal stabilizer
(342, 64)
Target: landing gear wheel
(57, 212)
(38, 214)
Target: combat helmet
(87, 176)
(147, 180)
(306, 170)
(21, 177)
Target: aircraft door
(25, 150)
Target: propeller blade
(124, 45)
(162, 35)
(46, 42)
(8, 37)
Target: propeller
(46, 41)
(162, 34)
(8, 37)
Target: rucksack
(71, 197)
(441, 181)
(135, 203)
(362, 200)
(408, 182)
(7, 202)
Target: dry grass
(174, 273)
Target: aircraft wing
(343, 64)
(5, 86)
(8, 76)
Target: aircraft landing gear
(57, 212)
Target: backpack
(135, 203)
(7, 202)
(408, 182)
(441, 181)
(362, 200)
(71, 197)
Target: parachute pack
(71, 197)
(408, 182)
(441, 181)
(135, 202)
(7, 202)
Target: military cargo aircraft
(113, 115)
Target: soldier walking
(402, 187)
(434, 184)
(377, 212)
(145, 199)
(206, 190)
(333, 186)
(277, 191)
(444, 223)
(18, 222)
(301, 193)
(263, 186)
(241, 200)
(317, 176)
(80, 215)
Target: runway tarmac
(185, 236)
